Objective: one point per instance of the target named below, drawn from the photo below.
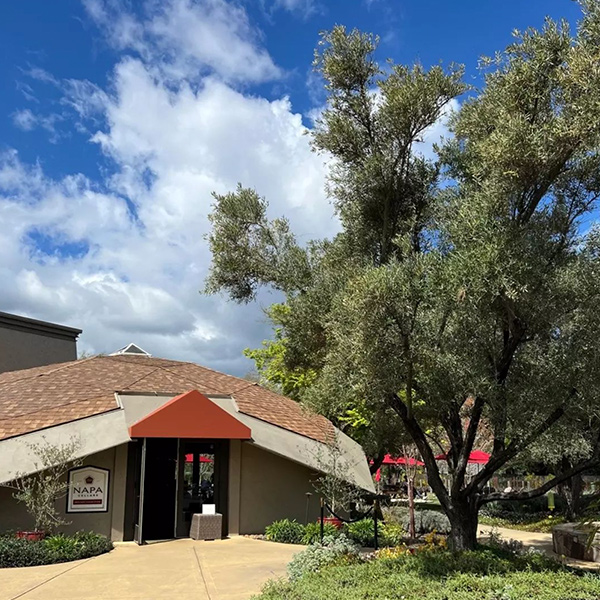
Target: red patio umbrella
(203, 459)
(477, 457)
(411, 462)
(390, 460)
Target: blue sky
(118, 119)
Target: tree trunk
(411, 508)
(463, 526)
(570, 490)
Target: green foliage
(362, 532)
(536, 523)
(312, 532)
(247, 247)
(427, 521)
(483, 574)
(460, 290)
(271, 364)
(16, 552)
(391, 534)
(535, 507)
(285, 532)
(62, 547)
(41, 490)
(334, 550)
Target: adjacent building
(161, 440)
(28, 343)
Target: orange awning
(190, 415)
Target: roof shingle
(33, 399)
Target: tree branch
(580, 468)
(499, 460)
(418, 436)
(467, 447)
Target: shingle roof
(40, 397)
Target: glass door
(197, 482)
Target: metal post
(140, 532)
(322, 519)
(375, 511)
(177, 483)
(308, 495)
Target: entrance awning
(190, 415)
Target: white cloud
(27, 120)
(24, 119)
(304, 8)
(124, 257)
(185, 38)
(141, 255)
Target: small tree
(40, 490)
(336, 483)
(410, 453)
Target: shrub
(41, 490)
(427, 521)
(62, 547)
(395, 514)
(392, 534)
(285, 532)
(312, 532)
(534, 506)
(362, 532)
(16, 552)
(486, 574)
(333, 550)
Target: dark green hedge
(54, 549)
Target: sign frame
(104, 507)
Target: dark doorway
(160, 486)
(203, 480)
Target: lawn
(534, 523)
(485, 574)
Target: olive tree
(461, 293)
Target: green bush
(524, 507)
(285, 532)
(391, 534)
(312, 532)
(395, 514)
(333, 550)
(485, 574)
(362, 532)
(427, 521)
(16, 552)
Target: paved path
(540, 541)
(232, 569)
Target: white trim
(104, 431)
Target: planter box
(32, 536)
(569, 539)
(334, 521)
(206, 527)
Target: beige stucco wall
(272, 488)
(13, 515)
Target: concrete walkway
(539, 541)
(232, 569)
